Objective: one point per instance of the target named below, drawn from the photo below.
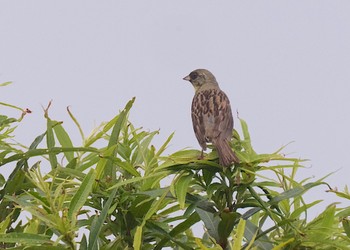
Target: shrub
(111, 196)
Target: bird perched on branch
(211, 115)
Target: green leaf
(211, 222)
(83, 243)
(160, 231)
(46, 248)
(237, 244)
(346, 225)
(137, 179)
(247, 141)
(345, 212)
(282, 245)
(263, 204)
(49, 219)
(294, 192)
(6, 222)
(114, 138)
(250, 233)
(321, 228)
(181, 157)
(32, 226)
(181, 186)
(105, 157)
(328, 216)
(140, 154)
(141, 205)
(180, 228)
(64, 140)
(37, 141)
(50, 141)
(155, 206)
(186, 224)
(80, 197)
(344, 195)
(138, 238)
(201, 203)
(124, 165)
(153, 209)
(165, 144)
(78, 125)
(14, 185)
(208, 176)
(24, 238)
(98, 222)
(4, 84)
(42, 152)
(296, 213)
(225, 227)
(13, 106)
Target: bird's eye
(194, 75)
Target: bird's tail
(225, 152)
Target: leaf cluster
(118, 191)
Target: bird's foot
(201, 157)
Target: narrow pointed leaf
(211, 222)
(50, 141)
(5, 83)
(250, 233)
(181, 187)
(237, 244)
(98, 222)
(294, 192)
(80, 197)
(24, 238)
(180, 228)
(114, 138)
(138, 238)
(64, 139)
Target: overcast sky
(285, 66)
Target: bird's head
(201, 79)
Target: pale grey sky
(284, 65)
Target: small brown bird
(211, 115)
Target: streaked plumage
(211, 115)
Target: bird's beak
(187, 78)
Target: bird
(211, 115)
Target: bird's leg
(201, 156)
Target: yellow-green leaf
(81, 195)
(138, 238)
(181, 187)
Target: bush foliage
(118, 196)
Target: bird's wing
(197, 112)
(223, 119)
